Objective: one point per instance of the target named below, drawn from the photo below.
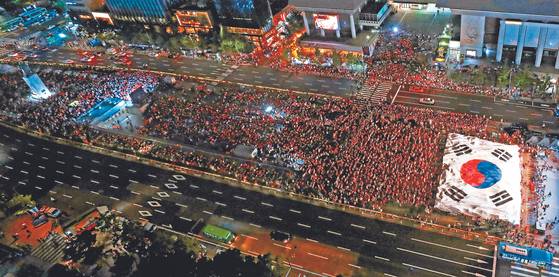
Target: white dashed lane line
(325, 218)
(266, 204)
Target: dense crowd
(336, 150)
(398, 58)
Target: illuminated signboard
(326, 21)
(194, 19)
(516, 250)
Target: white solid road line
(388, 233)
(113, 187)
(443, 259)
(67, 196)
(201, 199)
(60, 162)
(303, 225)
(516, 273)
(247, 211)
(275, 218)
(312, 240)
(207, 212)
(220, 204)
(325, 218)
(478, 247)
(185, 218)
(429, 270)
(475, 260)
(217, 191)
(76, 187)
(266, 204)
(239, 197)
(181, 205)
(370, 241)
(525, 269)
(282, 246)
(550, 273)
(295, 211)
(382, 258)
(357, 226)
(318, 256)
(453, 248)
(333, 233)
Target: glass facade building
(140, 11)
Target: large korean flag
(482, 178)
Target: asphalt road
(252, 75)
(497, 108)
(45, 169)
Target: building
(250, 18)
(524, 30)
(194, 18)
(339, 25)
(88, 10)
(141, 11)
(414, 4)
(11, 24)
(32, 15)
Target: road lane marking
(194, 186)
(226, 217)
(67, 196)
(137, 205)
(201, 199)
(217, 191)
(428, 270)
(152, 176)
(94, 171)
(388, 233)
(41, 167)
(207, 212)
(113, 176)
(283, 246)
(333, 233)
(239, 197)
(177, 192)
(255, 225)
(87, 202)
(369, 241)
(266, 204)
(58, 182)
(132, 181)
(343, 248)
(155, 187)
(220, 204)
(525, 269)
(24, 172)
(312, 240)
(59, 172)
(303, 225)
(60, 162)
(382, 258)
(113, 165)
(114, 198)
(275, 218)
(96, 161)
(78, 157)
(185, 218)
(22, 183)
(134, 192)
(132, 170)
(453, 248)
(41, 177)
(75, 187)
(159, 211)
(442, 259)
(325, 218)
(113, 187)
(29, 154)
(39, 188)
(94, 192)
(295, 211)
(354, 266)
(318, 256)
(181, 205)
(358, 226)
(77, 166)
(247, 211)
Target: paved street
(82, 179)
(505, 269)
(252, 75)
(496, 108)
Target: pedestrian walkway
(373, 94)
(524, 270)
(227, 73)
(381, 92)
(51, 250)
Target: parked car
(427, 101)
(50, 211)
(280, 236)
(40, 220)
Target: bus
(218, 233)
(526, 255)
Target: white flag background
(482, 178)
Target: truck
(218, 233)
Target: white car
(427, 101)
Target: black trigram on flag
(455, 193)
(501, 154)
(461, 149)
(500, 198)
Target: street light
(395, 29)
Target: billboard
(326, 21)
(482, 178)
(526, 255)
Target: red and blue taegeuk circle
(480, 174)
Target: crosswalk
(522, 270)
(373, 94)
(51, 250)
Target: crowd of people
(334, 149)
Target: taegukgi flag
(482, 178)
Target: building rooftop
(531, 7)
(373, 7)
(328, 4)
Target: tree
(123, 265)
(503, 76)
(336, 59)
(188, 42)
(29, 270)
(59, 270)
(20, 201)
